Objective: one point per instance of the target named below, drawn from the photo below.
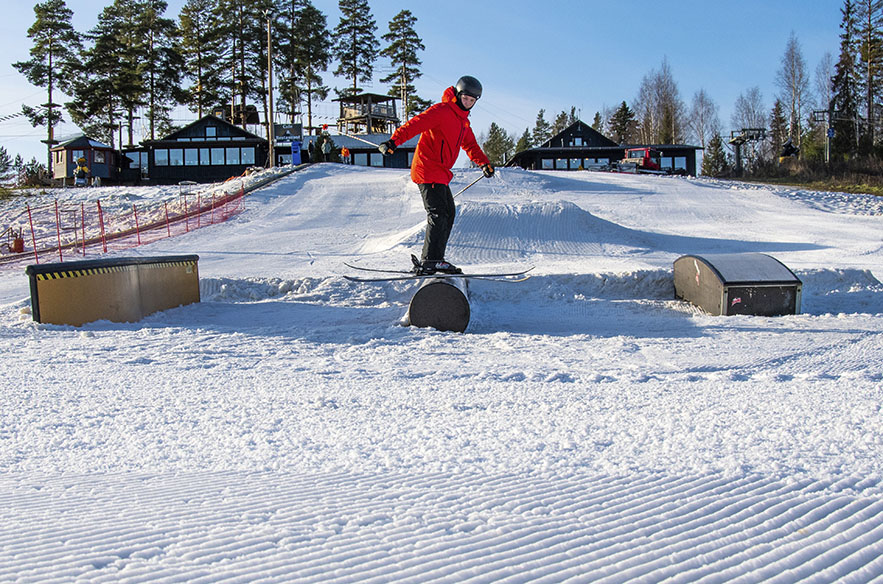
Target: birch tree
(793, 83)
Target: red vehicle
(644, 159)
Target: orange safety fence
(68, 230)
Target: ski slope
(587, 427)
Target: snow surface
(587, 427)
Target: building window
(561, 164)
(232, 155)
(548, 164)
(376, 159)
(77, 154)
(161, 157)
(99, 157)
(204, 157)
(176, 157)
(360, 159)
(248, 156)
(575, 163)
(217, 156)
(680, 163)
(145, 168)
(665, 162)
(191, 157)
(211, 132)
(577, 141)
(134, 159)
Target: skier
(81, 173)
(444, 129)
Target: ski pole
(360, 139)
(463, 190)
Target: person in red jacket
(444, 129)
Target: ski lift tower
(742, 137)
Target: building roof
(81, 141)
(579, 129)
(375, 98)
(187, 131)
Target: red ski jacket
(444, 129)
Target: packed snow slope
(587, 427)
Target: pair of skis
(515, 276)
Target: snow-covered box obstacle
(118, 290)
(738, 283)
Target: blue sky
(532, 55)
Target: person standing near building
(345, 155)
(444, 129)
(81, 173)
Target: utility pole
(270, 87)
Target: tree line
(841, 97)
(136, 62)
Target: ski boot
(429, 267)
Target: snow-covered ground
(587, 427)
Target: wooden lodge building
(207, 150)
(102, 160)
(580, 146)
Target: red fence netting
(69, 230)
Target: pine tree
(524, 142)
(559, 124)
(714, 162)
(779, 127)
(598, 123)
(355, 46)
(162, 67)
(869, 30)
(305, 51)
(110, 85)
(542, 130)
(498, 145)
(242, 27)
(6, 169)
(202, 54)
(843, 110)
(622, 125)
(402, 52)
(53, 63)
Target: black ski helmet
(468, 85)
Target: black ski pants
(440, 210)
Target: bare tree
(659, 108)
(749, 112)
(824, 87)
(793, 82)
(703, 122)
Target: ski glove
(387, 148)
(488, 170)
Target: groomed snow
(587, 427)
